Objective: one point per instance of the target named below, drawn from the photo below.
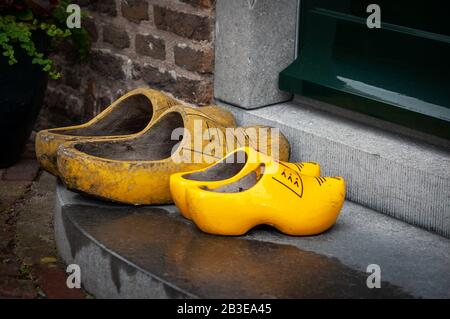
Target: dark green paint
(398, 73)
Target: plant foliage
(19, 20)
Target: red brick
(200, 3)
(151, 46)
(194, 60)
(25, 170)
(196, 91)
(116, 35)
(55, 99)
(91, 27)
(183, 24)
(191, 90)
(103, 6)
(72, 78)
(107, 64)
(135, 10)
(52, 281)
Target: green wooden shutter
(399, 73)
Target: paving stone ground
(29, 266)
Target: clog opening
(226, 168)
(128, 117)
(242, 184)
(155, 144)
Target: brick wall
(164, 44)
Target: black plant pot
(22, 90)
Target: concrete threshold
(389, 173)
(153, 252)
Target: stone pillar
(255, 40)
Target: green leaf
(16, 32)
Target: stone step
(152, 252)
(387, 172)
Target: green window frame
(399, 72)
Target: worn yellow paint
(135, 182)
(294, 203)
(179, 183)
(48, 141)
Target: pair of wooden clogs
(129, 151)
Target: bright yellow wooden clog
(230, 169)
(273, 194)
(136, 170)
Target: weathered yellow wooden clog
(136, 170)
(128, 115)
(274, 194)
(230, 169)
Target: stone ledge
(394, 175)
(255, 41)
(152, 252)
